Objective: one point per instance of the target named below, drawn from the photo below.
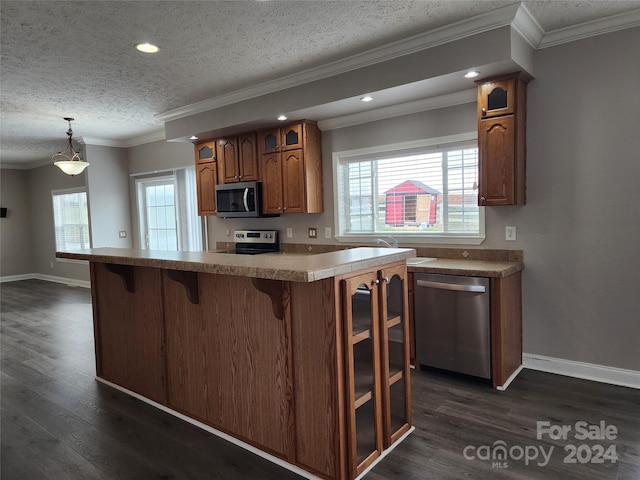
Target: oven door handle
(452, 286)
(245, 199)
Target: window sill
(408, 239)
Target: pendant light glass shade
(70, 162)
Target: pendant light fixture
(70, 162)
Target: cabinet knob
(284, 208)
(375, 282)
(483, 199)
(279, 208)
(484, 112)
(386, 279)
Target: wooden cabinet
(375, 319)
(205, 152)
(206, 181)
(237, 158)
(501, 139)
(291, 169)
(206, 177)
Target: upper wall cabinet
(205, 152)
(206, 177)
(237, 158)
(502, 105)
(291, 169)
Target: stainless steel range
(253, 242)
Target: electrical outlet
(510, 234)
(122, 234)
(313, 233)
(289, 232)
(327, 232)
(228, 232)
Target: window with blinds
(426, 189)
(71, 220)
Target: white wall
(42, 181)
(108, 194)
(15, 229)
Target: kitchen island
(301, 358)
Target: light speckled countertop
(275, 266)
(474, 268)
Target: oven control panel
(255, 236)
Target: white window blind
(71, 220)
(419, 191)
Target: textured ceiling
(77, 58)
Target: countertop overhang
(469, 268)
(274, 266)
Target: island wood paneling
(187, 351)
(318, 378)
(240, 378)
(129, 328)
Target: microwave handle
(244, 199)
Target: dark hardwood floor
(59, 423)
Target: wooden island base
(313, 375)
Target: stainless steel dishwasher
(452, 323)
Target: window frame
(402, 148)
(68, 191)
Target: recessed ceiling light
(471, 74)
(366, 98)
(193, 137)
(147, 47)
(282, 117)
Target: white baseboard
(17, 278)
(49, 278)
(66, 281)
(587, 371)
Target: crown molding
(150, 137)
(432, 103)
(528, 27)
(500, 17)
(591, 29)
(127, 143)
(101, 142)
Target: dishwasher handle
(452, 286)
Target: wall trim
(17, 278)
(67, 281)
(586, 371)
(47, 278)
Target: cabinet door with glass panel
(394, 338)
(362, 364)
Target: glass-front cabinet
(376, 362)
(394, 335)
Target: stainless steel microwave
(243, 199)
